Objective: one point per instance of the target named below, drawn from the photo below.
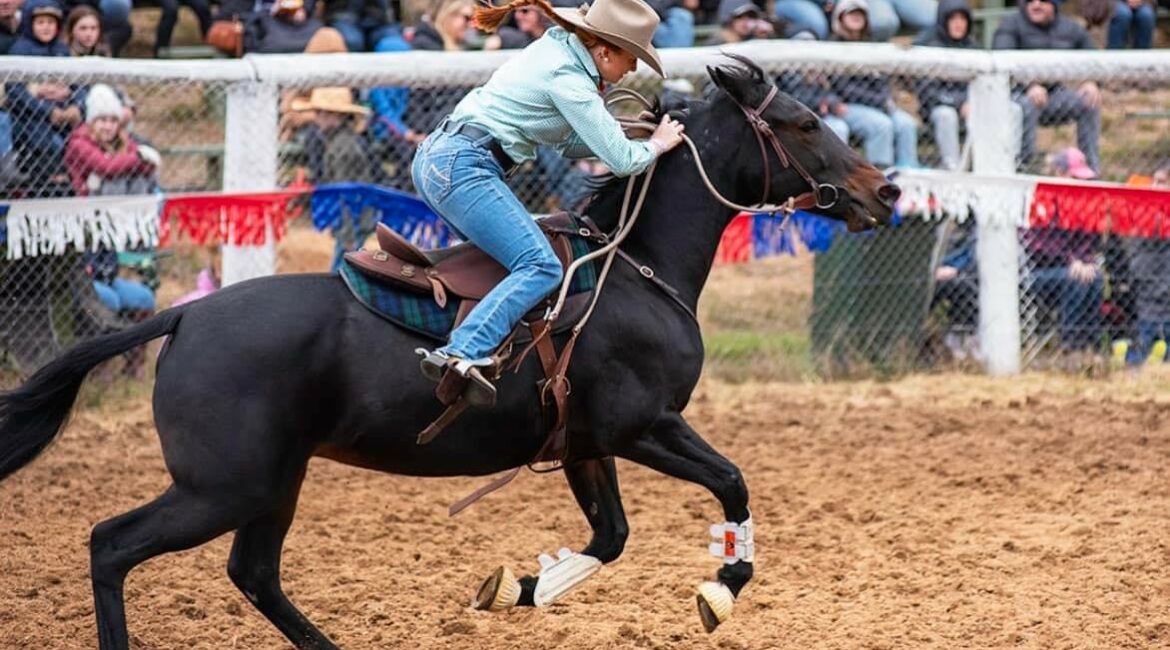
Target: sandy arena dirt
(938, 511)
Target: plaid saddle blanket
(419, 313)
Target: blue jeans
(361, 36)
(1079, 304)
(125, 295)
(804, 15)
(838, 126)
(5, 132)
(1126, 21)
(676, 30)
(888, 138)
(1064, 105)
(1147, 333)
(462, 182)
(885, 16)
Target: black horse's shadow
(260, 377)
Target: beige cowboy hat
(334, 99)
(628, 24)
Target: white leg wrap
(559, 576)
(736, 542)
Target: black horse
(260, 377)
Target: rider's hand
(667, 136)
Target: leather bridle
(825, 197)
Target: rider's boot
(480, 390)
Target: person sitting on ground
(742, 20)
(1063, 267)
(956, 289)
(1149, 260)
(546, 95)
(943, 103)
(43, 113)
(888, 133)
(170, 16)
(83, 32)
(363, 23)
(103, 160)
(1039, 26)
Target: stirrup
(433, 364)
(480, 390)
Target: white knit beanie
(102, 101)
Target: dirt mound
(933, 512)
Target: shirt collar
(577, 49)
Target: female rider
(549, 94)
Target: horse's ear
(725, 81)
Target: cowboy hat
(333, 99)
(628, 24)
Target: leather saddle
(462, 271)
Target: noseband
(825, 197)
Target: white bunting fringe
(51, 226)
(999, 200)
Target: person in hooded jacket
(1040, 26)
(941, 102)
(43, 114)
(864, 102)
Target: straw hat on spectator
(334, 99)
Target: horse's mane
(744, 73)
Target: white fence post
(250, 160)
(997, 236)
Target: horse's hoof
(498, 592)
(715, 604)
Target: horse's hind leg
(672, 447)
(254, 567)
(178, 519)
(595, 485)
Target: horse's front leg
(672, 447)
(594, 483)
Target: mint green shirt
(548, 95)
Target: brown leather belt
(489, 142)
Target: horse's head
(797, 154)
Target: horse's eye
(810, 126)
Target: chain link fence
(905, 298)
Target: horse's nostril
(889, 193)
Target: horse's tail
(31, 416)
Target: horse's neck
(678, 229)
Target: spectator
(170, 15)
(1039, 26)
(956, 289)
(445, 28)
(944, 103)
(742, 20)
(362, 22)
(281, 27)
(9, 23)
(885, 16)
(676, 22)
(1063, 267)
(103, 159)
(43, 114)
(346, 158)
(1132, 19)
(395, 140)
(529, 25)
(83, 32)
(889, 134)
(1149, 260)
(812, 89)
(115, 19)
(299, 125)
